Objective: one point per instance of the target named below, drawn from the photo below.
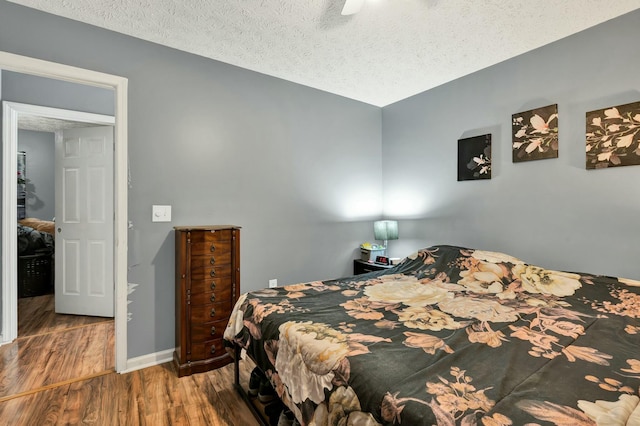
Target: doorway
(47, 69)
(83, 201)
(56, 348)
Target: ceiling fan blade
(352, 6)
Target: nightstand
(362, 267)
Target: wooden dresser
(207, 287)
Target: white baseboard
(148, 360)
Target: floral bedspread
(450, 336)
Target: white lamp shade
(385, 230)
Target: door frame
(13, 111)
(38, 67)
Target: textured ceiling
(390, 50)
(45, 124)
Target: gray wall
(40, 153)
(42, 91)
(297, 168)
(551, 212)
(303, 172)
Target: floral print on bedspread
(449, 336)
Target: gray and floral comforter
(450, 336)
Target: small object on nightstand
(383, 260)
(369, 252)
(362, 267)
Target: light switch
(161, 214)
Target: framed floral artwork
(535, 134)
(613, 136)
(474, 158)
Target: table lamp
(385, 230)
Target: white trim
(61, 114)
(23, 64)
(9, 326)
(149, 360)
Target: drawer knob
(213, 298)
(213, 285)
(212, 261)
(213, 330)
(213, 349)
(213, 312)
(213, 247)
(212, 273)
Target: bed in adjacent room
(449, 336)
(36, 248)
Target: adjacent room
(397, 157)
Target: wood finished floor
(37, 315)
(60, 372)
(154, 396)
(53, 349)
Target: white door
(84, 282)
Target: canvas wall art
(613, 136)
(535, 134)
(474, 158)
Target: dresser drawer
(219, 294)
(213, 259)
(207, 273)
(211, 242)
(209, 284)
(211, 236)
(211, 312)
(203, 332)
(210, 247)
(210, 349)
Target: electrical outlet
(273, 283)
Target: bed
(40, 225)
(35, 235)
(36, 247)
(449, 336)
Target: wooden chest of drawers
(207, 287)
